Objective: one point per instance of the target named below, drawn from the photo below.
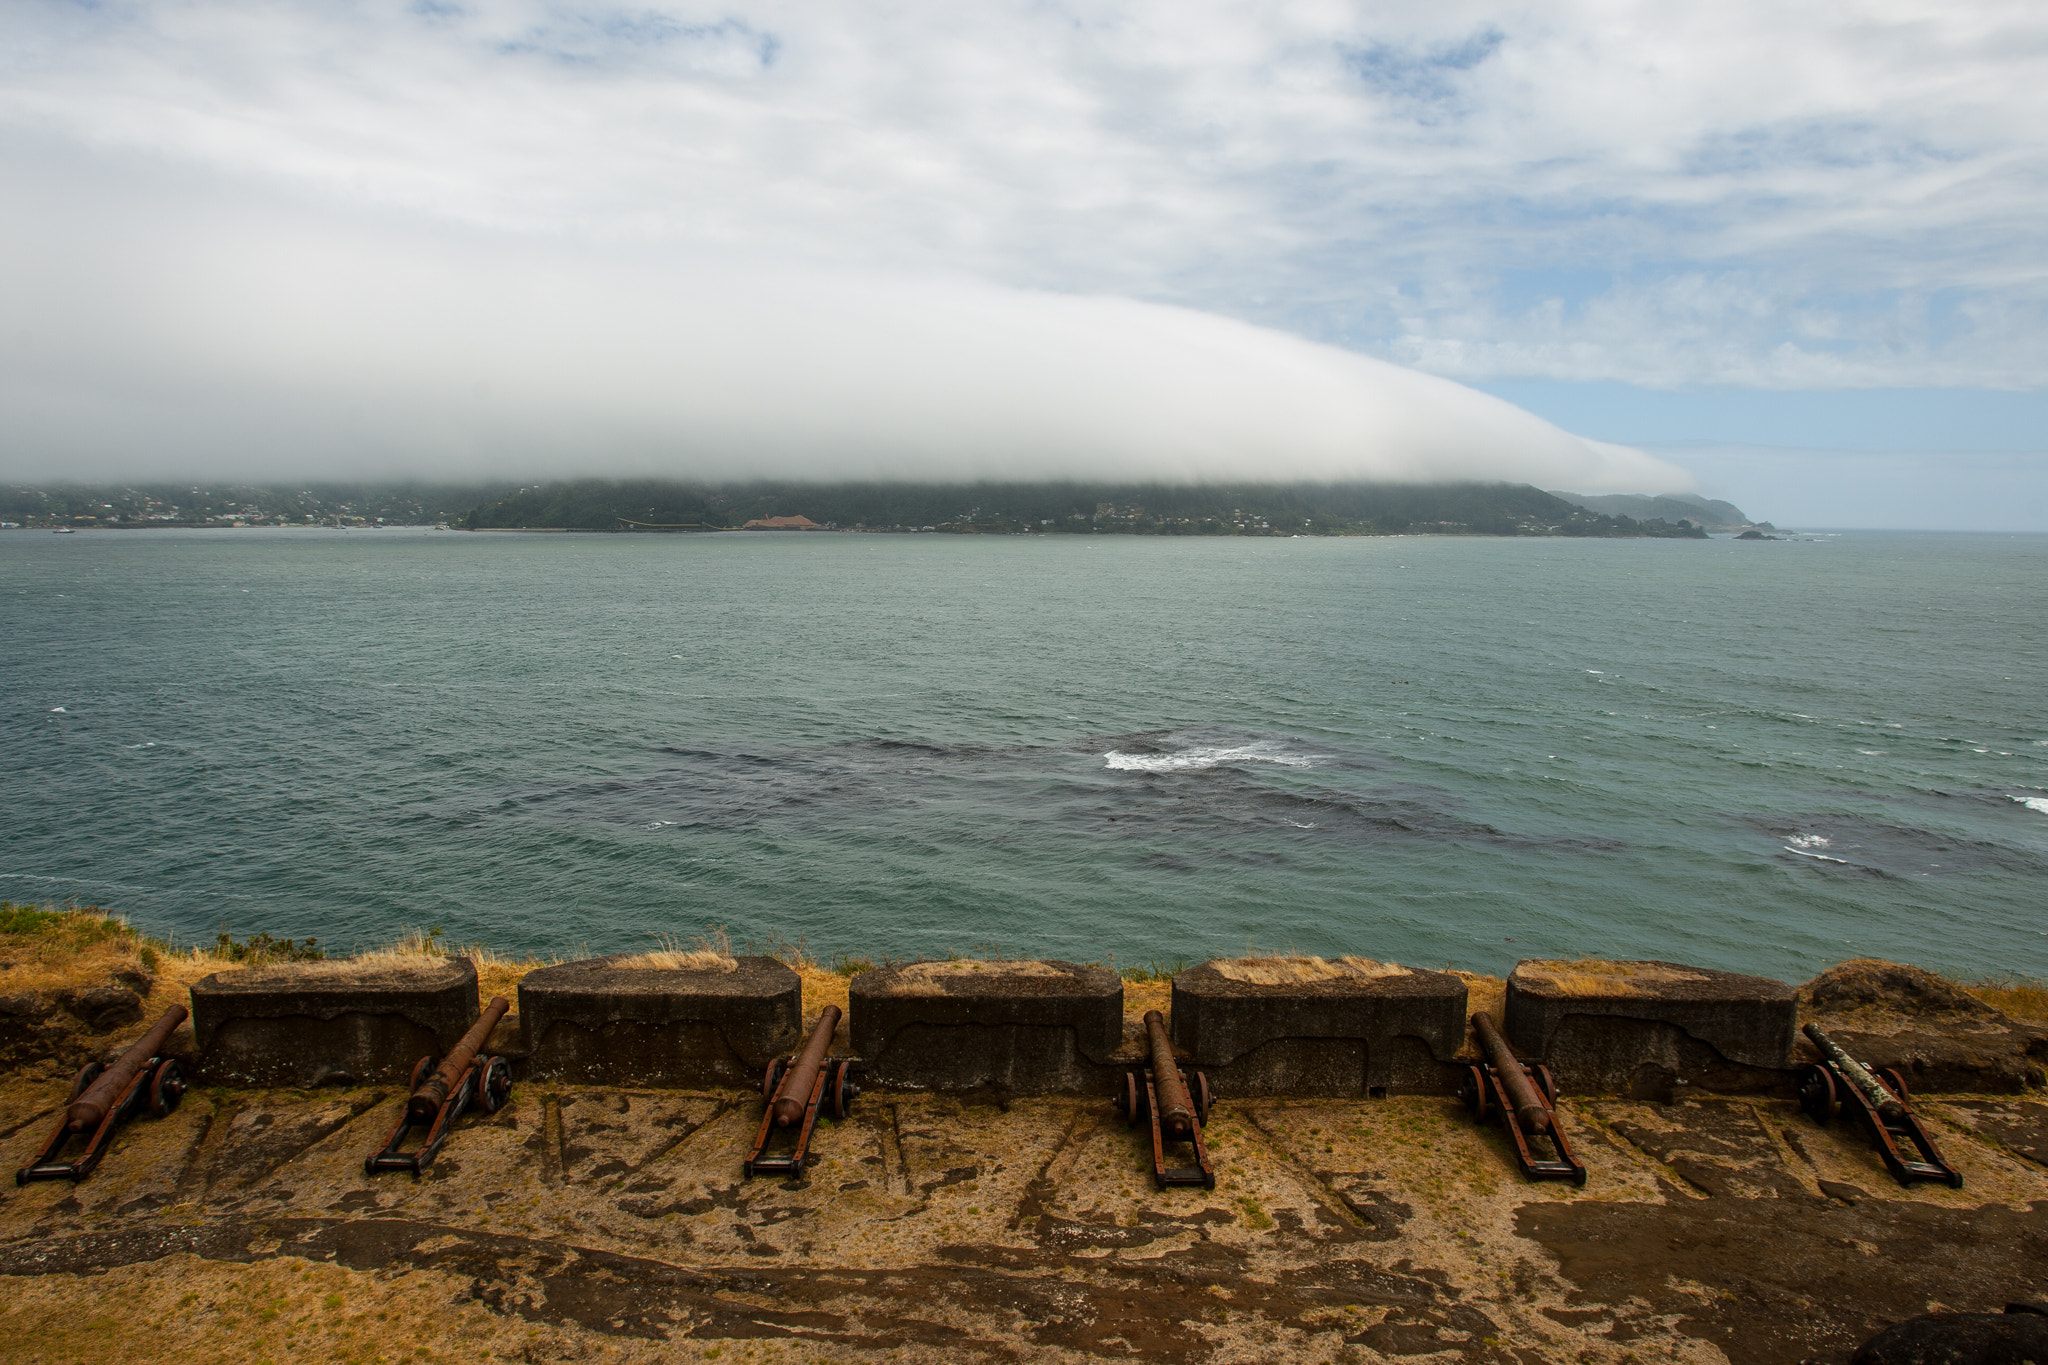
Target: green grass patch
(67, 928)
(1154, 970)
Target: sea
(1757, 756)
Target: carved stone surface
(599, 1022)
(1644, 1028)
(1026, 1027)
(312, 1023)
(1310, 1026)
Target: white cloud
(1742, 193)
(173, 332)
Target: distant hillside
(1712, 513)
(224, 504)
(1018, 508)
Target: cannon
(1178, 1110)
(442, 1094)
(1879, 1099)
(1526, 1099)
(795, 1088)
(104, 1097)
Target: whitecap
(2034, 803)
(1208, 757)
(59, 711)
(1822, 857)
(1874, 753)
(1807, 841)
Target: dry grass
(712, 952)
(1483, 995)
(1595, 976)
(286, 1309)
(680, 960)
(2016, 997)
(955, 968)
(1140, 996)
(43, 949)
(1289, 971)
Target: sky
(1791, 256)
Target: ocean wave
(1800, 843)
(1804, 853)
(1212, 756)
(2034, 803)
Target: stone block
(1024, 1027)
(346, 1022)
(1315, 1026)
(1642, 1029)
(626, 1020)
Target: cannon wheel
(1891, 1077)
(1817, 1095)
(1549, 1086)
(772, 1077)
(1202, 1098)
(497, 1084)
(1472, 1090)
(87, 1074)
(422, 1069)
(166, 1088)
(1127, 1097)
(842, 1090)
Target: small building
(782, 524)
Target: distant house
(782, 524)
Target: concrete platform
(1646, 1029)
(1029, 1028)
(614, 1227)
(604, 1022)
(340, 1022)
(1315, 1026)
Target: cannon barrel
(1856, 1074)
(434, 1091)
(89, 1109)
(794, 1094)
(1530, 1110)
(1176, 1110)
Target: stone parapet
(1025, 1027)
(1644, 1028)
(344, 1022)
(1316, 1026)
(602, 1022)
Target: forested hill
(1498, 509)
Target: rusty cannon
(1177, 1108)
(795, 1088)
(442, 1094)
(104, 1097)
(1525, 1098)
(1880, 1100)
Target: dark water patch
(1205, 785)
